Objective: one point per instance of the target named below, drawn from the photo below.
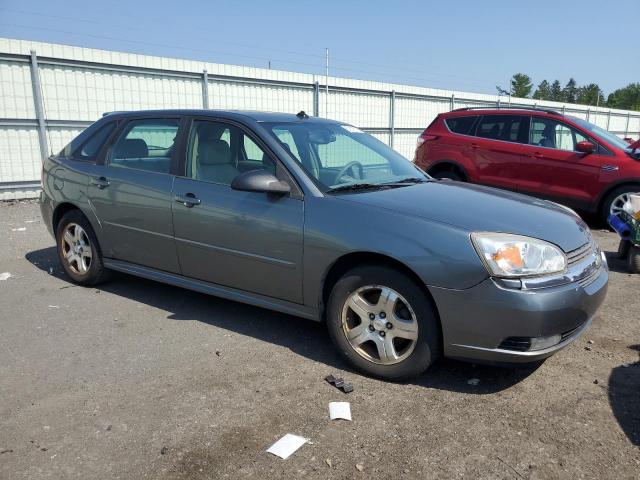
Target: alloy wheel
(379, 324)
(76, 249)
(618, 203)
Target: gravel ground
(140, 380)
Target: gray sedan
(318, 219)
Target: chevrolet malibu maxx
(317, 219)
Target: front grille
(518, 344)
(579, 254)
(589, 279)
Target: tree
(521, 86)
(543, 92)
(627, 98)
(556, 91)
(590, 95)
(570, 91)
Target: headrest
(132, 148)
(213, 152)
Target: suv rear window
(461, 125)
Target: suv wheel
(614, 202)
(382, 323)
(78, 249)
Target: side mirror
(260, 181)
(585, 147)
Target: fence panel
(79, 84)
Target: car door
(244, 240)
(556, 169)
(131, 194)
(498, 149)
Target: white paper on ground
(21, 229)
(288, 444)
(5, 275)
(340, 410)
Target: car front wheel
(382, 323)
(78, 249)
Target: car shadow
(306, 338)
(616, 264)
(624, 387)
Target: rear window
(461, 125)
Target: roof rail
(112, 113)
(509, 107)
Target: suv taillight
(426, 137)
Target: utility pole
(326, 86)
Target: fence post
(588, 114)
(39, 106)
(392, 117)
(453, 101)
(626, 128)
(563, 109)
(498, 103)
(316, 99)
(608, 119)
(205, 90)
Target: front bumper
(476, 321)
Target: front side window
(336, 155)
(508, 128)
(218, 152)
(146, 145)
(549, 133)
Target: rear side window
(87, 145)
(146, 145)
(92, 146)
(508, 128)
(461, 125)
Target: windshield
(602, 133)
(336, 156)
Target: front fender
(439, 254)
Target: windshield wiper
(408, 181)
(357, 186)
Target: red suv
(538, 152)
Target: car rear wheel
(623, 248)
(382, 323)
(78, 250)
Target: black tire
(427, 346)
(633, 259)
(95, 270)
(609, 199)
(448, 174)
(623, 248)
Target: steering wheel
(350, 166)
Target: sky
(461, 45)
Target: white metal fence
(50, 92)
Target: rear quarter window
(461, 125)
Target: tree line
(626, 98)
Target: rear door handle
(537, 155)
(100, 182)
(475, 145)
(188, 200)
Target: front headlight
(507, 255)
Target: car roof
(257, 116)
(503, 111)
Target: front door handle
(475, 145)
(100, 182)
(537, 155)
(188, 199)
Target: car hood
(476, 208)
